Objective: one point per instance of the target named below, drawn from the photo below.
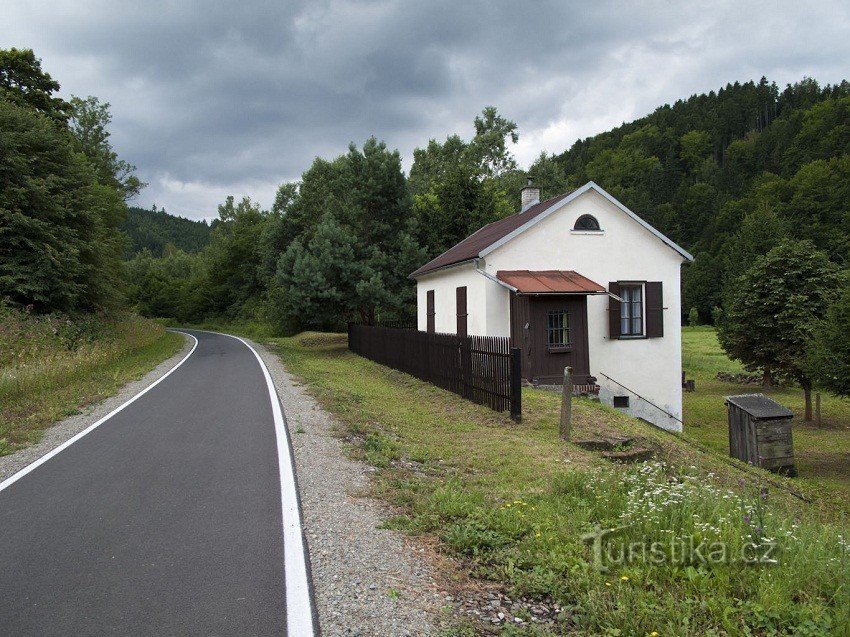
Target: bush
(693, 317)
(716, 315)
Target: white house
(578, 280)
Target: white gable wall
(624, 251)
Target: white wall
(623, 251)
(445, 283)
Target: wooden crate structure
(760, 433)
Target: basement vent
(621, 401)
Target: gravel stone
(58, 433)
(367, 581)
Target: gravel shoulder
(63, 430)
(368, 581)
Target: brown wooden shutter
(613, 311)
(461, 311)
(654, 310)
(431, 312)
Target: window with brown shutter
(654, 310)
(431, 312)
(461, 311)
(631, 309)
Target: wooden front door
(558, 335)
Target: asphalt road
(164, 520)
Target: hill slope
(154, 229)
(727, 174)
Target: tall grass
(688, 556)
(51, 366)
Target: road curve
(166, 519)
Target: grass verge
(822, 453)
(52, 366)
(510, 503)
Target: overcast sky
(216, 98)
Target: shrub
(693, 317)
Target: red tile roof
(549, 282)
(483, 238)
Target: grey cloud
(217, 97)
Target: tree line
(339, 244)
(157, 231)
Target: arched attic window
(587, 222)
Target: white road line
(299, 603)
(20, 474)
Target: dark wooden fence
(483, 369)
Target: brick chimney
(530, 195)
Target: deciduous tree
(89, 122)
(23, 82)
(772, 309)
(60, 248)
(829, 354)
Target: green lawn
(508, 504)
(822, 454)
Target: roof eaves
(489, 276)
(420, 272)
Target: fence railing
(483, 369)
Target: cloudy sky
(216, 98)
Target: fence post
(566, 405)
(516, 384)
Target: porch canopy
(549, 282)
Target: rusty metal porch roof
(549, 282)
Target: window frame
(562, 329)
(597, 230)
(631, 334)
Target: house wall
(445, 283)
(623, 251)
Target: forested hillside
(154, 229)
(727, 175)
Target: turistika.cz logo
(676, 551)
